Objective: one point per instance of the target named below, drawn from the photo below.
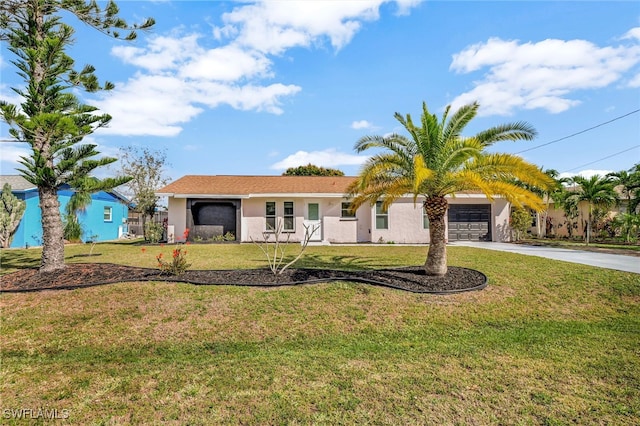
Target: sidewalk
(602, 260)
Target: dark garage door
(211, 219)
(469, 222)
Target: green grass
(546, 342)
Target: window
(382, 216)
(288, 216)
(425, 219)
(270, 215)
(346, 211)
(108, 214)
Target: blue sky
(256, 87)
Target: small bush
(178, 264)
(153, 232)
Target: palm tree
(629, 182)
(596, 191)
(436, 161)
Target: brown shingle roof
(246, 185)
(18, 183)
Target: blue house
(105, 217)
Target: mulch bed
(78, 275)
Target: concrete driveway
(603, 260)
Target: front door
(313, 222)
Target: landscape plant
(51, 120)
(436, 160)
(11, 212)
(177, 265)
(596, 191)
(275, 250)
(153, 232)
(520, 221)
(628, 225)
(146, 167)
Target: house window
(270, 215)
(288, 216)
(346, 211)
(108, 214)
(382, 216)
(425, 219)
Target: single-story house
(247, 206)
(104, 218)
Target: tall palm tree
(629, 182)
(596, 191)
(436, 161)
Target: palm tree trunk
(589, 225)
(52, 231)
(436, 263)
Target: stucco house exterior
(105, 217)
(246, 206)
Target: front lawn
(546, 342)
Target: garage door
(469, 222)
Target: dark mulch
(412, 278)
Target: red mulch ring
(80, 275)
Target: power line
(603, 158)
(580, 132)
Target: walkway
(603, 260)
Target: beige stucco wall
(177, 215)
(333, 229)
(405, 219)
(559, 221)
(405, 224)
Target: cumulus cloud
(327, 158)
(361, 124)
(273, 27)
(180, 75)
(542, 75)
(11, 153)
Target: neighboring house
(105, 217)
(557, 223)
(247, 205)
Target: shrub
(520, 221)
(153, 232)
(178, 264)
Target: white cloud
(587, 174)
(148, 105)
(632, 33)
(273, 27)
(541, 75)
(180, 76)
(11, 153)
(362, 124)
(161, 53)
(9, 96)
(327, 158)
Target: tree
(627, 224)
(520, 221)
(146, 168)
(312, 170)
(51, 120)
(11, 211)
(596, 191)
(569, 205)
(629, 183)
(436, 161)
